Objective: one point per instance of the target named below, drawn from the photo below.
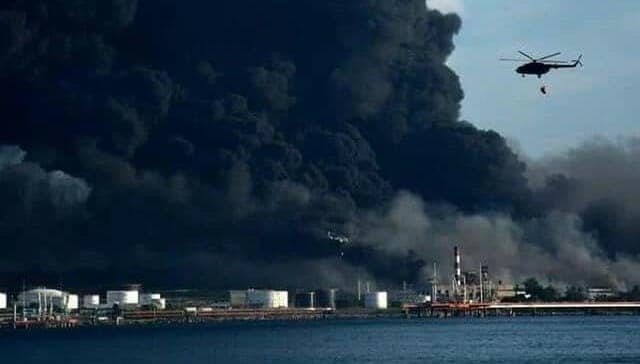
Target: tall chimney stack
(456, 266)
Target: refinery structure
(465, 286)
(464, 292)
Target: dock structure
(223, 314)
(446, 309)
(512, 309)
(42, 324)
(565, 307)
(170, 316)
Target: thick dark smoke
(214, 144)
(599, 180)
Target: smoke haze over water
(214, 144)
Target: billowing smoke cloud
(215, 143)
(597, 180)
(31, 187)
(554, 247)
(10, 155)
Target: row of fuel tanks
(269, 299)
(326, 298)
(321, 298)
(316, 299)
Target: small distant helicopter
(542, 65)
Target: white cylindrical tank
(91, 301)
(43, 298)
(72, 302)
(3, 301)
(279, 299)
(267, 298)
(122, 297)
(256, 298)
(238, 298)
(375, 300)
(162, 304)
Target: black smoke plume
(215, 143)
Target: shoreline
(169, 318)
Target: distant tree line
(534, 291)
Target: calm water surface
(582, 339)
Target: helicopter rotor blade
(526, 55)
(549, 56)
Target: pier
(511, 309)
(224, 314)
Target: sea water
(551, 339)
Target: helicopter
(542, 65)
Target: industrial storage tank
(91, 301)
(267, 298)
(46, 299)
(122, 297)
(162, 304)
(278, 299)
(72, 302)
(326, 298)
(43, 297)
(3, 301)
(257, 298)
(305, 300)
(238, 298)
(375, 300)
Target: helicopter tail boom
(572, 65)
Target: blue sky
(600, 99)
